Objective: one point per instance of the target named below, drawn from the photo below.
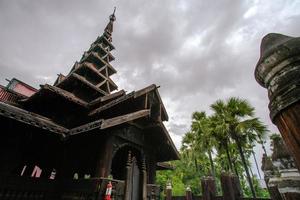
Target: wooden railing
(21, 188)
(230, 187)
(27, 189)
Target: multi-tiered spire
(92, 73)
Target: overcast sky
(197, 51)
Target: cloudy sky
(197, 51)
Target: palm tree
(188, 147)
(201, 126)
(220, 132)
(237, 118)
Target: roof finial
(109, 27)
(112, 17)
(114, 10)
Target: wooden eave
(134, 95)
(86, 127)
(165, 116)
(65, 94)
(111, 122)
(60, 78)
(125, 118)
(164, 166)
(68, 83)
(111, 104)
(107, 98)
(87, 83)
(30, 118)
(91, 67)
(149, 89)
(169, 146)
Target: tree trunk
(212, 167)
(264, 148)
(196, 165)
(245, 167)
(228, 157)
(256, 164)
(235, 170)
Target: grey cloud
(198, 51)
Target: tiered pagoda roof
(86, 99)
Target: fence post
(237, 187)
(208, 188)
(188, 193)
(230, 187)
(169, 191)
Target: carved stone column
(278, 70)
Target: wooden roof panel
(30, 118)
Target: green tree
(204, 142)
(236, 117)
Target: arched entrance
(127, 165)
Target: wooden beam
(112, 83)
(103, 61)
(98, 47)
(124, 118)
(107, 97)
(93, 68)
(146, 101)
(108, 88)
(144, 91)
(102, 38)
(162, 106)
(111, 104)
(100, 84)
(86, 127)
(83, 80)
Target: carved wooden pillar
(105, 159)
(144, 172)
(278, 70)
(128, 181)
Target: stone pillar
(278, 70)
(289, 185)
(208, 186)
(169, 191)
(271, 177)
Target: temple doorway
(127, 166)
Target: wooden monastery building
(70, 139)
